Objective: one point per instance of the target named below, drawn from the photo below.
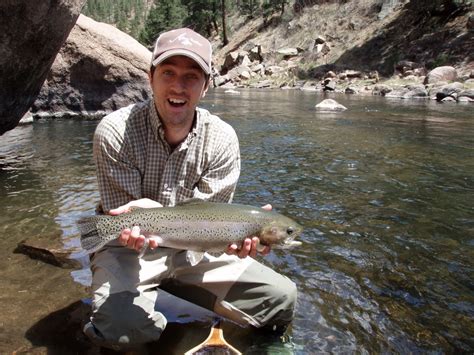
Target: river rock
(273, 69)
(330, 105)
(406, 67)
(466, 95)
(452, 90)
(329, 85)
(408, 92)
(98, 70)
(351, 90)
(31, 33)
(445, 73)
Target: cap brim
(186, 53)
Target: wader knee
(125, 320)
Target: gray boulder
(381, 89)
(444, 91)
(31, 34)
(438, 74)
(330, 105)
(288, 52)
(466, 95)
(98, 70)
(408, 92)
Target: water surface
(384, 191)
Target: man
(159, 153)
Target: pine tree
(164, 15)
(250, 8)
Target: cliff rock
(98, 69)
(31, 34)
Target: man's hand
(249, 245)
(131, 237)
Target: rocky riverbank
(248, 69)
(100, 68)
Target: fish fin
(90, 238)
(191, 201)
(194, 257)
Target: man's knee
(284, 295)
(125, 320)
(267, 303)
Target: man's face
(178, 83)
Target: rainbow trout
(194, 225)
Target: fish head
(281, 233)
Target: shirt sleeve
(219, 181)
(118, 178)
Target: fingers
(249, 247)
(119, 210)
(153, 243)
(132, 239)
(267, 207)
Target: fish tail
(90, 238)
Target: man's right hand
(131, 237)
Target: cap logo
(185, 40)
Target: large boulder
(438, 74)
(31, 34)
(98, 70)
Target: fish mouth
(291, 244)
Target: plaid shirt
(133, 159)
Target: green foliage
(203, 15)
(165, 15)
(250, 8)
(440, 60)
(128, 15)
(207, 17)
(269, 7)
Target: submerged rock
(48, 249)
(330, 105)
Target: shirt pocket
(182, 194)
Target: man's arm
(118, 179)
(219, 181)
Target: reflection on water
(384, 191)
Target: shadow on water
(60, 332)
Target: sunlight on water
(384, 191)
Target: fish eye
(290, 230)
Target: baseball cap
(183, 41)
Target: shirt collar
(159, 131)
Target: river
(384, 190)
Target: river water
(385, 192)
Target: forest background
(430, 32)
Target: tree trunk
(224, 30)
